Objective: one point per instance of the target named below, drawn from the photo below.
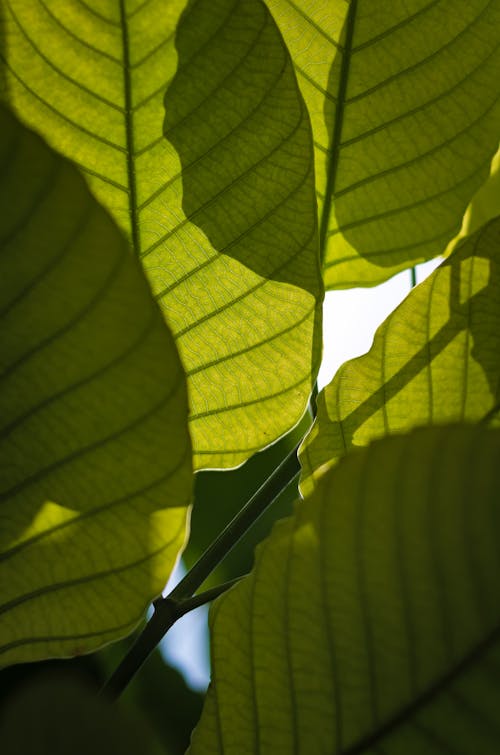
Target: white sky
(185, 646)
(350, 319)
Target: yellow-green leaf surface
(192, 132)
(435, 359)
(371, 621)
(403, 99)
(95, 454)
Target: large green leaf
(198, 143)
(96, 458)
(403, 99)
(371, 622)
(435, 359)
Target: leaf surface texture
(188, 124)
(403, 99)
(371, 620)
(435, 359)
(96, 473)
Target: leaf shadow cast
(368, 225)
(241, 132)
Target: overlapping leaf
(403, 99)
(435, 359)
(95, 454)
(371, 621)
(192, 132)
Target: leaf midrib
(337, 129)
(129, 135)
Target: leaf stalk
(182, 598)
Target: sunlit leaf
(196, 139)
(95, 453)
(435, 359)
(371, 622)
(403, 99)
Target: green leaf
(371, 622)
(435, 359)
(197, 141)
(403, 99)
(96, 464)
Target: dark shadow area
(235, 116)
(484, 330)
(158, 695)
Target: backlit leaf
(404, 105)
(192, 132)
(371, 621)
(95, 454)
(435, 359)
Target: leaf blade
(410, 376)
(397, 98)
(96, 468)
(211, 179)
(364, 617)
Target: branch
(165, 615)
(282, 476)
(182, 599)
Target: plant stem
(165, 615)
(413, 277)
(182, 598)
(282, 476)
